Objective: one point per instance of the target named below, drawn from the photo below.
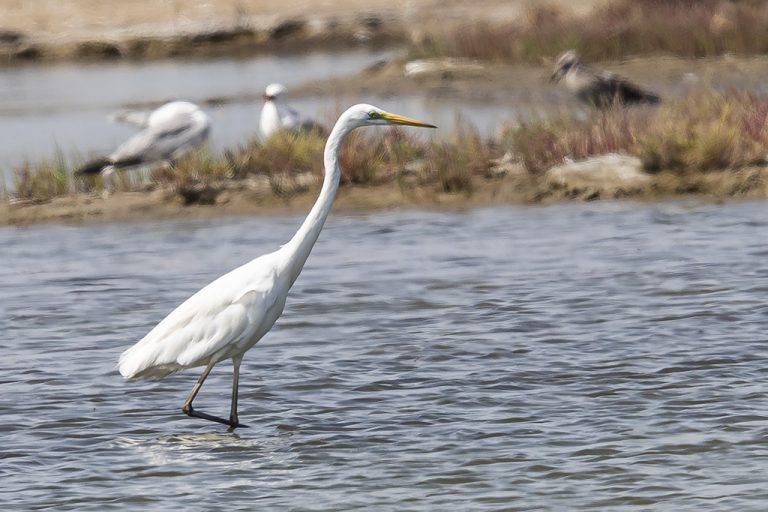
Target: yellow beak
(407, 121)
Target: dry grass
(704, 132)
(196, 176)
(543, 143)
(44, 180)
(688, 28)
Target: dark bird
(600, 89)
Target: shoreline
(233, 41)
(88, 30)
(518, 189)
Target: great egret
(227, 317)
(169, 132)
(599, 89)
(277, 115)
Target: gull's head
(368, 115)
(274, 91)
(565, 62)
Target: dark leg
(187, 407)
(233, 422)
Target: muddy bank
(511, 186)
(289, 35)
(83, 30)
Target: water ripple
(605, 356)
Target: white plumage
(230, 315)
(222, 320)
(277, 115)
(169, 132)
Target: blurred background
(473, 330)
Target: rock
(286, 28)
(507, 165)
(97, 50)
(198, 193)
(371, 21)
(443, 67)
(602, 175)
(258, 183)
(221, 35)
(284, 184)
(305, 180)
(10, 36)
(414, 167)
(375, 67)
(28, 52)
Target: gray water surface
(605, 356)
(67, 105)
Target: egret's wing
(235, 325)
(228, 312)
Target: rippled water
(607, 356)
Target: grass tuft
(685, 138)
(42, 181)
(687, 28)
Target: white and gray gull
(277, 115)
(168, 133)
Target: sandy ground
(83, 30)
(95, 19)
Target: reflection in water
(606, 355)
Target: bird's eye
(374, 115)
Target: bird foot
(192, 413)
(235, 424)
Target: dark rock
(287, 28)
(221, 35)
(198, 193)
(371, 21)
(98, 50)
(10, 36)
(29, 52)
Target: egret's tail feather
(134, 364)
(93, 167)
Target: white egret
(599, 89)
(277, 115)
(230, 315)
(169, 132)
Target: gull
(277, 115)
(137, 118)
(169, 132)
(600, 89)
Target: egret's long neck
(302, 242)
